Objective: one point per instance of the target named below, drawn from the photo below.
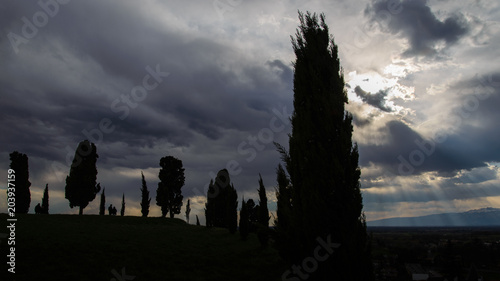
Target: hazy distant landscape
(479, 217)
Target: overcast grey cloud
(416, 22)
(218, 89)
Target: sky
(211, 83)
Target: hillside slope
(90, 247)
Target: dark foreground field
(90, 247)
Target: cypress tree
(253, 215)
(244, 223)
(210, 205)
(188, 210)
(263, 228)
(102, 206)
(197, 220)
(122, 211)
(231, 209)
(221, 209)
(146, 200)
(323, 162)
(283, 212)
(19, 163)
(81, 187)
(45, 200)
(169, 195)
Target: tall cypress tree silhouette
(19, 163)
(146, 200)
(188, 210)
(322, 163)
(122, 211)
(244, 223)
(263, 231)
(102, 206)
(45, 200)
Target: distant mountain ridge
(479, 217)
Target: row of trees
(255, 218)
(222, 204)
(318, 193)
(82, 187)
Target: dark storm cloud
(408, 153)
(414, 20)
(377, 100)
(77, 69)
(472, 140)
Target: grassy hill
(90, 247)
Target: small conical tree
(45, 200)
(102, 206)
(146, 200)
(263, 226)
(244, 223)
(19, 163)
(197, 220)
(122, 211)
(188, 210)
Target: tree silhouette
(81, 186)
(102, 206)
(253, 215)
(45, 200)
(244, 223)
(112, 210)
(232, 209)
(197, 220)
(19, 163)
(210, 205)
(122, 211)
(323, 162)
(221, 209)
(263, 229)
(146, 200)
(169, 195)
(38, 209)
(188, 210)
(283, 211)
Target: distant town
(436, 253)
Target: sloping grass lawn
(91, 247)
